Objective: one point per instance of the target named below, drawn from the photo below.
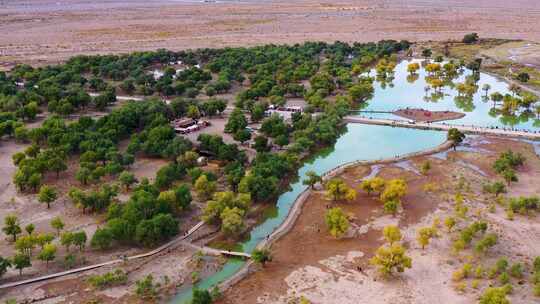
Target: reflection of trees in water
(464, 103)
(512, 119)
(509, 120)
(493, 112)
(386, 80)
(434, 97)
(412, 78)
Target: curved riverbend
(368, 143)
(298, 204)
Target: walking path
(163, 247)
(444, 127)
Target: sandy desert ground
(326, 270)
(39, 31)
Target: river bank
(308, 262)
(298, 205)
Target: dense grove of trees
(265, 75)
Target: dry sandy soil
(51, 30)
(425, 115)
(308, 262)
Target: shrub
(504, 278)
(470, 38)
(118, 277)
(146, 288)
(516, 270)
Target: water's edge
(296, 209)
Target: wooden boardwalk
(112, 262)
(508, 132)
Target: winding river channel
(370, 142)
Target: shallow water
(360, 142)
(402, 94)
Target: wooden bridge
(218, 252)
(508, 132)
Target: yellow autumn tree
(337, 189)
(375, 184)
(395, 189)
(337, 222)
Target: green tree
(43, 238)
(102, 239)
(193, 112)
(470, 38)
(337, 222)
(47, 195)
(79, 239)
(57, 164)
(83, 175)
(222, 200)
(21, 261)
(242, 135)
(203, 187)
(30, 228)
(4, 265)
(201, 296)
(455, 136)
(237, 121)
(232, 222)
(26, 244)
(157, 229)
(11, 226)
(127, 179)
(261, 144)
(261, 256)
(183, 196)
(48, 253)
(66, 239)
(312, 179)
(57, 224)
